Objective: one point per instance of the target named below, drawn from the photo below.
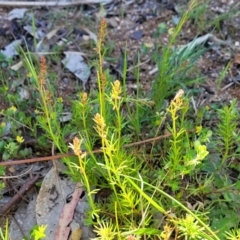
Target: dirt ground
(132, 25)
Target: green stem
(158, 207)
(118, 125)
(174, 132)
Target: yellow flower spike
(48, 96)
(19, 139)
(76, 147)
(84, 98)
(167, 232)
(103, 26)
(43, 71)
(99, 120)
(100, 128)
(116, 90)
(178, 96)
(103, 79)
(177, 101)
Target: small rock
(137, 35)
(65, 80)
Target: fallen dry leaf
(52, 198)
(236, 59)
(75, 63)
(63, 230)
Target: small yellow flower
(105, 230)
(3, 124)
(5, 88)
(39, 232)
(13, 109)
(29, 75)
(202, 152)
(148, 45)
(59, 100)
(167, 232)
(171, 31)
(198, 129)
(207, 108)
(20, 139)
(36, 111)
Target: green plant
(11, 147)
(190, 228)
(227, 16)
(49, 111)
(4, 234)
(233, 234)
(183, 155)
(161, 28)
(131, 196)
(179, 187)
(223, 74)
(227, 130)
(223, 189)
(174, 65)
(199, 16)
(36, 233)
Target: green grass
(177, 187)
(4, 234)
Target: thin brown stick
(17, 197)
(39, 159)
(17, 176)
(49, 3)
(55, 157)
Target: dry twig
(17, 176)
(58, 156)
(50, 3)
(18, 196)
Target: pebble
(65, 80)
